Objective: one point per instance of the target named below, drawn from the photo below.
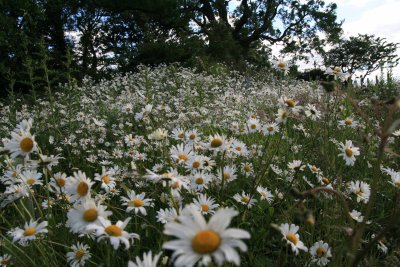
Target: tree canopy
(52, 40)
(364, 53)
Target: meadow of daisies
(171, 167)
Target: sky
(378, 17)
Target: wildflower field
(172, 167)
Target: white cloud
(354, 3)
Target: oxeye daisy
(193, 137)
(282, 115)
(195, 163)
(31, 177)
(356, 215)
(158, 135)
(148, 260)
(320, 253)
(58, 182)
(348, 122)
(178, 134)
(198, 240)
(253, 125)
(227, 174)
(106, 177)
(247, 168)
(114, 232)
(136, 203)
(199, 180)
(239, 148)
(79, 255)
(78, 187)
(84, 214)
(180, 153)
(281, 65)
(21, 144)
(265, 194)
(296, 165)
(337, 73)
(348, 152)
(217, 143)
(361, 189)
(166, 215)
(312, 112)
(290, 104)
(289, 233)
(5, 260)
(31, 231)
(270, 128)
(205, 204)
(245, 199)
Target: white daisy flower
(114, 232)
(78, 187)
(5, 260)
(348, 152)
(265, 194)
(166, 215)
(245, 199)
(356, 215)
(199, 180)
(21, 144)
(239, 148)
(282, 115)
(106, 177)
(312, 112)
(198, 240)
(217, 143)
(31, 177)
(337, 73)
(270, 128)
(178, 134)
(348, 122)
(247, 168)
(281, 64)
(31, 231)
(193, 137)
(292, 238)
(320, 253)
(361, 189)
(79, 255)
(58, 182)
(205, 204)
(148, 260)
(180, 153)
(136, 203)
(228, 174)
(85, 213)
(290, 104)
(253, 125)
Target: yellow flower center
(30, 231)
(183, 157)
(204, 207)
(321, 252)
(175, 185)
(135, 203)
(325, 180)
(314, 168)
(226, 176)
(4, 262)
(253, 126)
(359, 193)
(216, 142)
(397, 184)
(90, 215)
(113, 230)
(238, 148)
(270, 129)
(30, 181)
(337, 70)
(206, 241)
(348, 122)
(14, 174)
(181, 135)
(60, 182)
(82, 189)
(106, 179)
(199, 180)
(79, 254)
(292, 238)
(247, 168)
(245, 199)
(281, 65)
(196, 164)
(192, 136)
(264, 194)
(349, 152)
(26, 144)
(290, 103)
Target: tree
(364, 53)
